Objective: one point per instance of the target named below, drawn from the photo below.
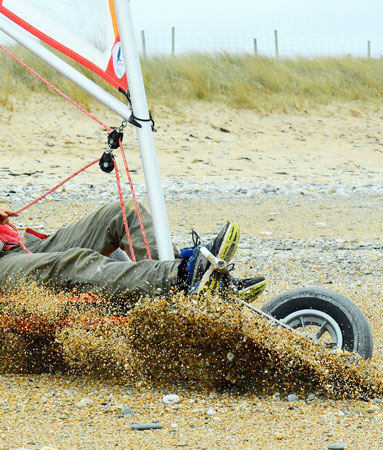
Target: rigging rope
(133, 256)
(106, 127)
(57, 186)
(54, 88)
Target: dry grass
(15, 80)
(240, 81)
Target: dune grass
(243, 81)
(239, 81)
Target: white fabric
(84, 26)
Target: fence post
(276, 44)
(173, 41)
(255, 48)
(369, 49)
(143, 43)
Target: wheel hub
(316, 325)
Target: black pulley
(107, 162)
(114, 139)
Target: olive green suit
(76, 256)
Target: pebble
(280, 436)
(146, 426)
(170, 399)
(230, 356)
(126, 412)
(373, 409)
(292, 398)
(211, 411)
(377, 400)
(310, 398)
(336, 446)
(84, 402)
(270, 188)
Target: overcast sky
(361, 19)
(320, 26)
(304, 25)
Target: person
(80, 257)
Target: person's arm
(5, 213)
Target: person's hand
(5, 213)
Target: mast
(144, 134)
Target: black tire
(355, 330)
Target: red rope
(57, 186)
(131, 249)
(19, 238)
(54, 88)
(106, 127)
(135, 202)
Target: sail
(84, 30)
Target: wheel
(324, 316)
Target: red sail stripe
(106, 75)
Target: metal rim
(323, 323)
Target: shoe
(202, 278)
(225, 244)
(248, 289)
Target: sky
(343, 18)
(301, 24)
(326, 23)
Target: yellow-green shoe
(204, 279)
(249, 288)
(225, 244)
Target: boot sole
(229, 243)
(252, 292)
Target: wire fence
(272, 44)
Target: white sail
(85, 30)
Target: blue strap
(191, 255)
(186, 252)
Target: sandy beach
(202, 141)
(306, 189)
